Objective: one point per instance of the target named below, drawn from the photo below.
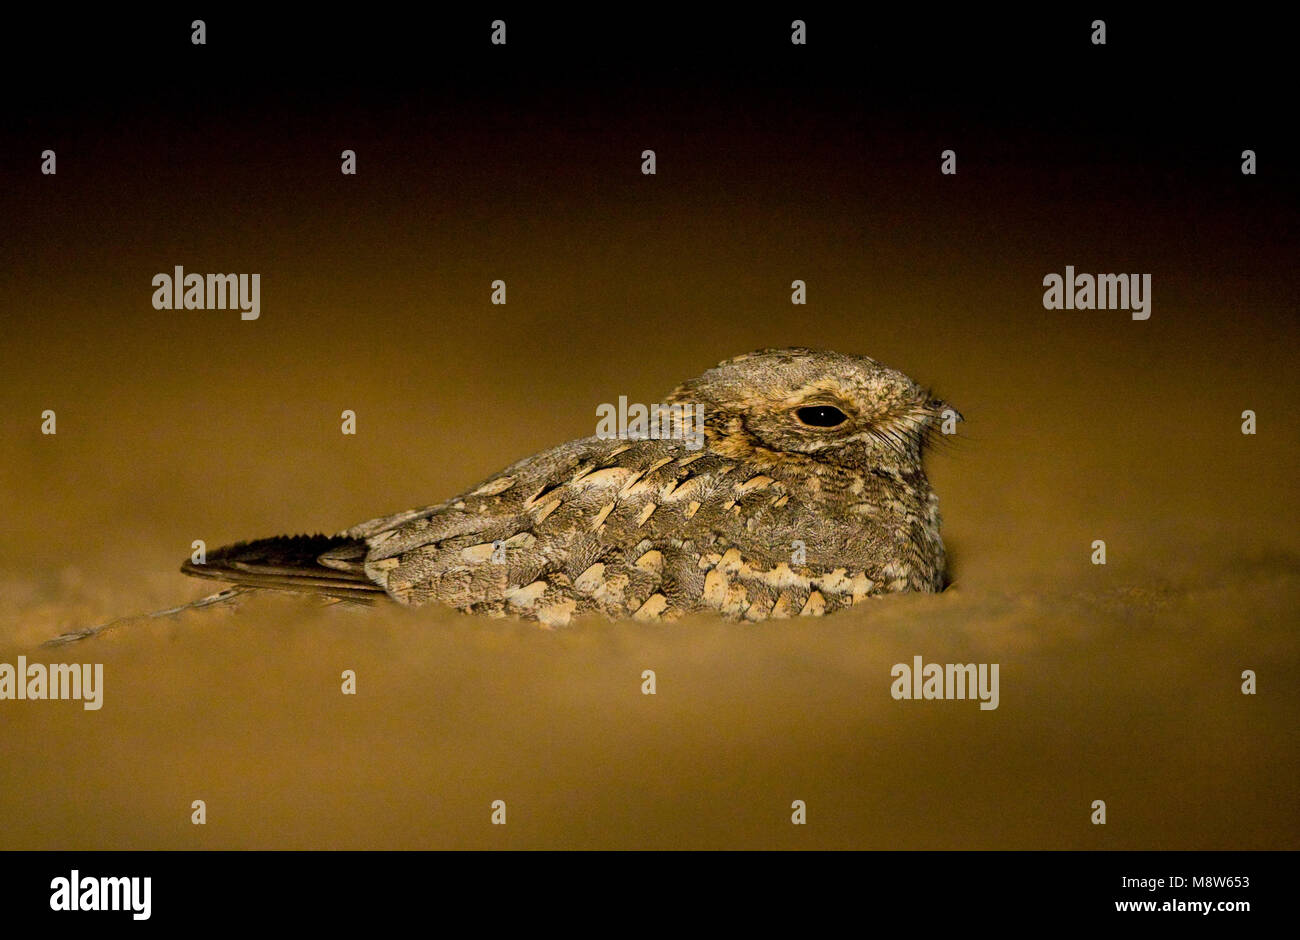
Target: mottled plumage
(653, 529)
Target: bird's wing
(642, 528)
(592, 524)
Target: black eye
(821, 416)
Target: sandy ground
(1118, 683)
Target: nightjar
(808, 494)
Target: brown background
(1118, 683)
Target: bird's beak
(937, 407)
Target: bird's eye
(821, 416)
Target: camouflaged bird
(808, 495)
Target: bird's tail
(329, 566)
(332, 565)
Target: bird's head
(815, 409)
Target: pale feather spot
(715, 588)
(547, 508)
(760, 609)
(600, 516)
(784, 607)
(610, 590)
(657, 464)
(608, 476)
(526, 596)
(731, 561)
(558, 614)
(835, 583)
(692, 508)
(475, 554)
(781, 577)
(493, 487)
(687, 461)
(781, 501)
(679, 489)
(754, 483)
(590, 580)
(548, 491)
(645, 514)
(815, 606)
(736, 600)
(777, 578)
(652, 609)
(652, 560)
(631, 482)
(640, 481)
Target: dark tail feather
(332, 565)
(322, 565)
